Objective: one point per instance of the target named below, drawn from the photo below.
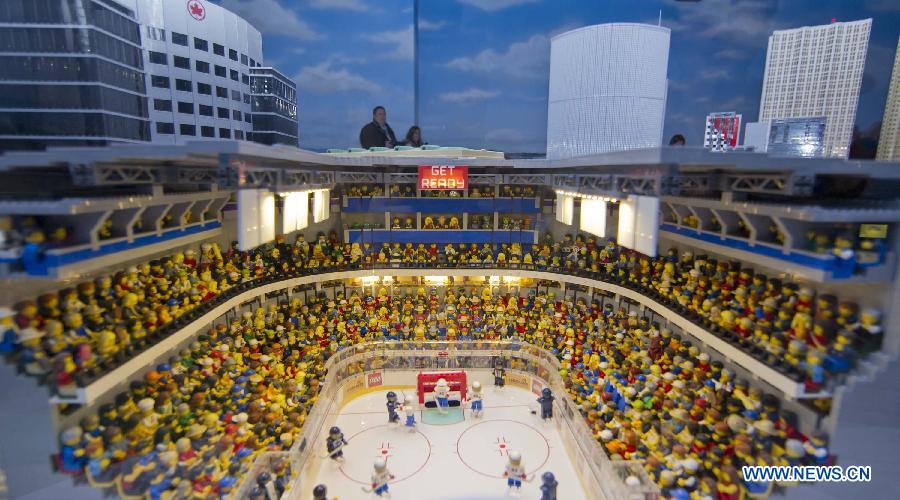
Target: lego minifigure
(548, 486)
(380, 478)
(409, 408)
(441, 393)
(71, 453)
(546, 402)
(476, 398)
(320, 492)
(515, 471)
(392, 406)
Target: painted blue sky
(484, 63)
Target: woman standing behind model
(414, 137)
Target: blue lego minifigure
(392, 405)
(71, 452)
(546, 401)
(335, 444)
(320, 492)
(548, 486)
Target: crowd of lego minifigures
(246, 387)
(409, 191)
(194, 423)
(77, 333)
(476, 221)
(786, 325)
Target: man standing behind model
(377, 133)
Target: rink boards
(460, 460)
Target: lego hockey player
(409, 408)
(441, 393)
(548, 486)
(546, 402)
(392, 406)
(515, 470)
(476, 397)
(380, 478)
(335, 444)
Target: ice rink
(464, 460)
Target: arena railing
(728, 344)
(601, 475)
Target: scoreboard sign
(443, 177)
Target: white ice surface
(459, 461)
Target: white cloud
(731, 54)
(515, 140)
(744, 22)
(297, 50)
(400, 43)
(714, 74)
(342, 58)
(324, 78)
(354, 5)
(679, 85)
(495, 5)
(426, 25)
(272, 18)
(468, 95)
(527, 59)
(733, 104)
(503, 135)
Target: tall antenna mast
(659, 23)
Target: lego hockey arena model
(228, 320)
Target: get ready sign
(443, 177)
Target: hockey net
(426, 381)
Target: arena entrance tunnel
(374, 366)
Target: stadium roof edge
(684, 159)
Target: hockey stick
(370, 490)
(332, 452)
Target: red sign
(374, 379)
(443, 177)
(725, 129)
(196, 10)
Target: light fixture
(575, 194)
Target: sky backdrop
(484, 64)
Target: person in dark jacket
(377, 133)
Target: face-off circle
(484, 447)
(386, 442)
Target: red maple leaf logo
(196, 9)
